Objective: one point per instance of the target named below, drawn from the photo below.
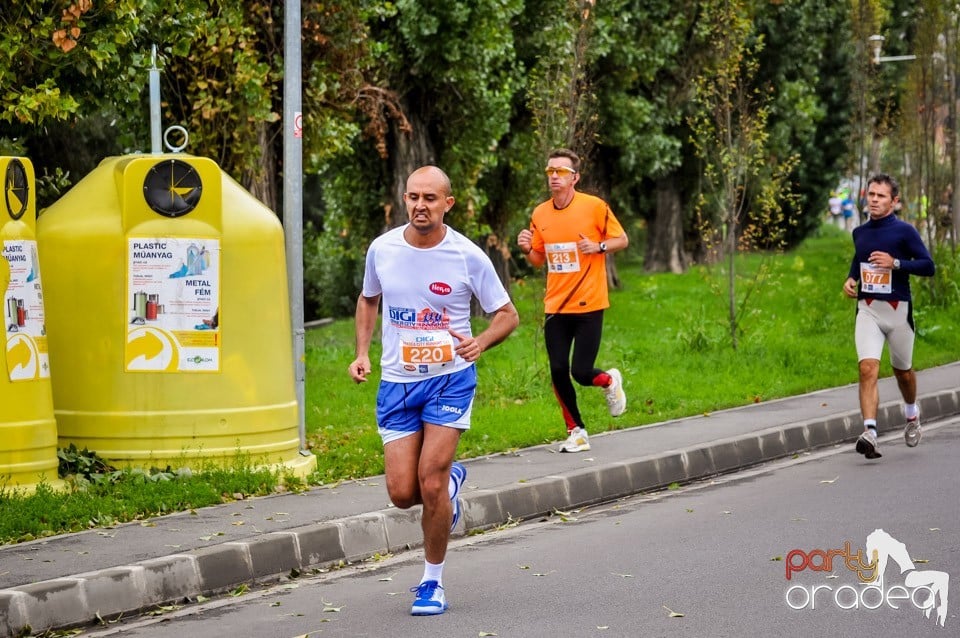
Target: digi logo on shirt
(402, 315)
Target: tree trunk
(262, 183)
(953, 62)
(498, 251)
(664, 251)
(409, 151)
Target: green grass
(668, 334)
(99, 495)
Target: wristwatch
(603, 247)
(896, 264)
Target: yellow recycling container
(28, 430)
(169, 318)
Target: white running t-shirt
(425, 292)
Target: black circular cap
(172, 188)
(16, 190)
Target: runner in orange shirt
(572, 233)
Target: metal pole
(156, 146)
(293, 198)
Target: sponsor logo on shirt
(440, 288)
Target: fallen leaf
(934, 529)
(726, 512)
(486, 633)
(275, 604)
(830, 481)
(623, 575)
(332, 609)
(922, 561)
(147, 524)
(777, 558)
(689, 511)
(386, 579)
(602, 627)
(673, 614)
(524, 566)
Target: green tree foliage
(482, 88)
(811, 99)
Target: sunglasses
(562, 171)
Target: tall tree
(731, 137)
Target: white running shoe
(616, 399)
(867, 444)
(912, 433)
(578, 441)
(430, 599)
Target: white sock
(911, 411)
(870, 423)
(432, 572)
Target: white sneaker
(912, 433)
(867, 444)
(616, 399)
(578, 441)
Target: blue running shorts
(403, 408)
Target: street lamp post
(876, 43)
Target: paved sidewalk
(69, 580)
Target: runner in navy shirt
(886, 252)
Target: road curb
(126, 590)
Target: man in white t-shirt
(427, 273)
(835, 204)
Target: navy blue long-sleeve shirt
(901, 241)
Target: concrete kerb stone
(48, 604)
(363, 536)
(402, 528)
(14, 614)
(223, 566)
(170, 578)
(71, 601)
(274, 553)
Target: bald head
(433, 175)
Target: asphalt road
(707, 560)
